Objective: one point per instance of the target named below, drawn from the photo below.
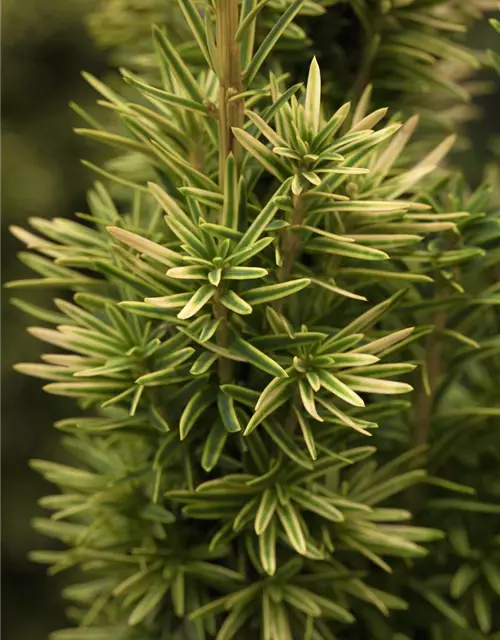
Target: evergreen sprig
(241, 316)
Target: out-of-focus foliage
(414, 52)
(123, 27)
(44, 47)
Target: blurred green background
(45, 46)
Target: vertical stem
(433, 353)
(434, 363)
(291, 246)
(225, 366)
(291, 243)
(433, 350)
(291, 419)
(368, 51)
(231, 114)
(425, 401)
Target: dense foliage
(282, 335)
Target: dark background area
(45, 46)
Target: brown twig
(231, 114)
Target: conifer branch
(298, 463)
